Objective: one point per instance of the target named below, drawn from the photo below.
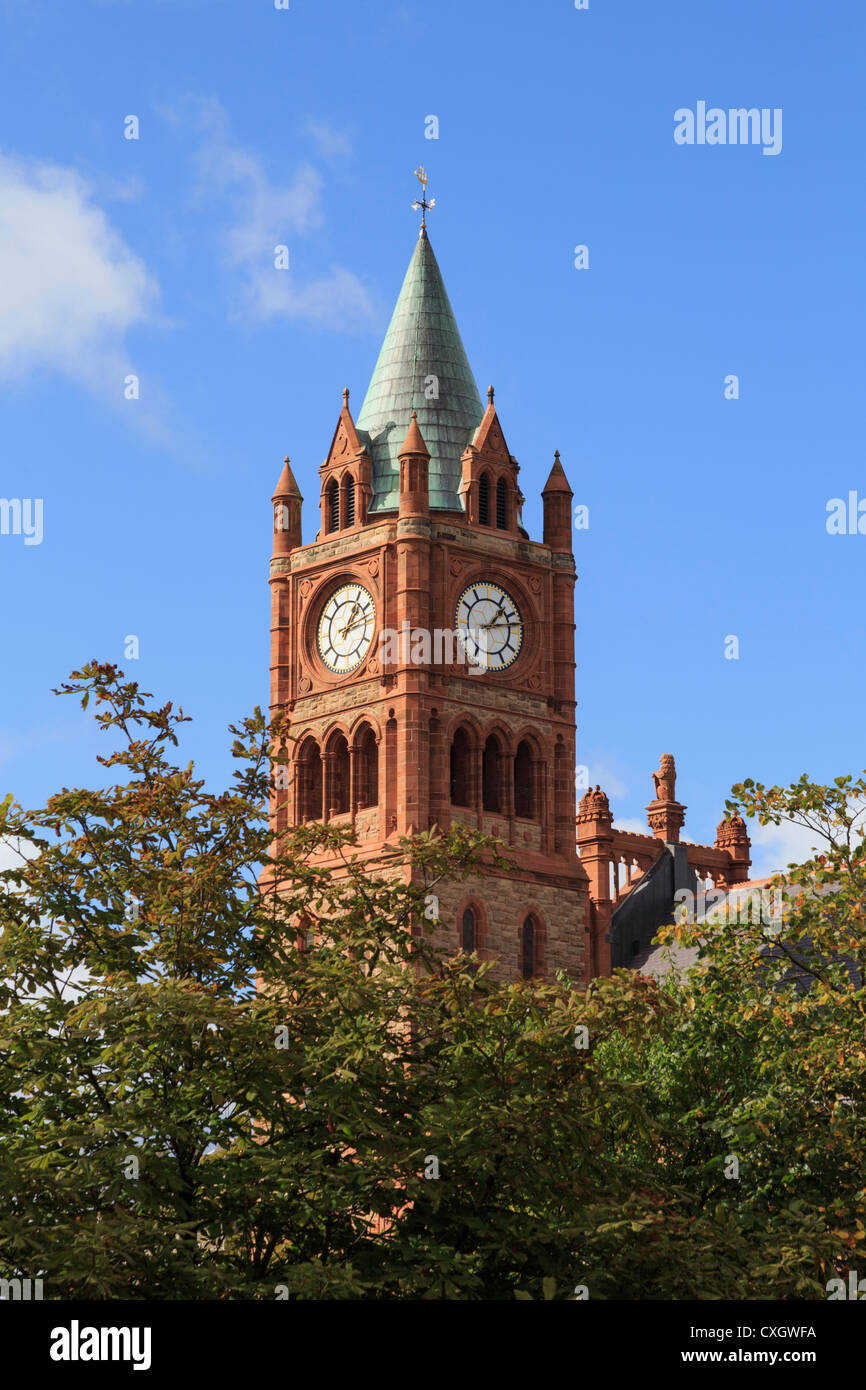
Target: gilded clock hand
(344, 630)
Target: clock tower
(423, 644)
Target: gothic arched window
(461, 772)
(349, 508)
(502, 505)
(338, 789)
(524, 792)
(468, 932)
(528, 949)
(332, 507)
(309, 773)
(491, 775)
(484, 500)
(368, 769)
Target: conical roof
(422, 366)
(414, 441)
(557, 482)
(287, 487)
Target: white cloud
(263, 215)
(70, 288)
(13, 852)
(602, 773)
(632, 825)
(776, 846)
(330, 142)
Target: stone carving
(665, 780)
(732, 834)
(594, 805)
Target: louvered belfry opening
(333, 507)
(484, 500)
(502, 505)
(350, 503)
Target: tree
(227, 1071)
(171, 1130)
(762, 1057)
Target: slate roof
(422, 341)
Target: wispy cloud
(774, 847)
(70, 287)
(330, 142)
(633, 825)
(259, 215)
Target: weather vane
(422, 203)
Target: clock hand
(345, 629)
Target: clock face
(346, 628)
(489, 626)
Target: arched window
(484, 500)
(524, 792)
(306, 938)
(368, 769)
(468, 932)
(332, 506)
(490, 775)
(349, 508)
(461, 780)
(527, 949)
(338, 790)
(502, 505)
(310, 782)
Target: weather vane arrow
(422, 202)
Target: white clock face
(346, 628)
(489, 626)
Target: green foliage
(227, 1071)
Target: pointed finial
(287, 459)
(345, 398)
(422, 203)
(490, 395)
(556, 455)
(414, 441)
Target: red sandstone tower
(423, 645)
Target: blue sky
(154, 257)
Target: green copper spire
(422, 367)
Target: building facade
(423, 652)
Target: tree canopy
(229, 1072)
